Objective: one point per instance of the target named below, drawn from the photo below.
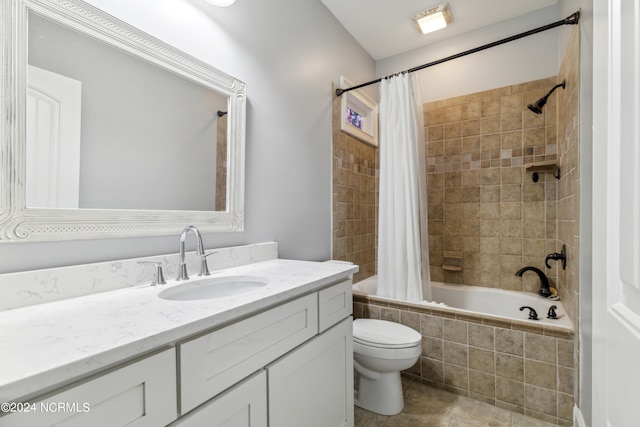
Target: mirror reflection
(109, 130)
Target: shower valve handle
(562, 256)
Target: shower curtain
(403, 251)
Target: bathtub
(484, 302)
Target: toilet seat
(384, 334)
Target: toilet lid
(381, 333)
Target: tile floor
(425, 406)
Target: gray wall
(523, 60)
(288, 52)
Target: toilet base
(382, 395)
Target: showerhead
(536, 107)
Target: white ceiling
(385, 28)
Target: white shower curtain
(403, 257)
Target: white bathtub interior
(486, 301)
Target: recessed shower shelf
(543, 166)
(452, 264)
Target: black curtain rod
(570, 20)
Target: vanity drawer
(214, 362)
(334, 304)
(244, 404)
(141, 394)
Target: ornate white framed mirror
(108, 132)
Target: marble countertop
(51, 344)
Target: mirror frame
(18, 223)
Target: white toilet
(381, 350)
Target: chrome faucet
(544, 282)
(182, 267)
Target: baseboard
(578, 420)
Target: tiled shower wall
(483, 206)
(355, 166)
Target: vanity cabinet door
(141, 394)
(244, 405)
(313, 385)
(216, 361)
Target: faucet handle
(532, 313)
(204, 268)
(158, 278)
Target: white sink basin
(214, 287)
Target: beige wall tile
(455, 330)
(471, 110)
(511, 139)
(488, 247)
(431, 326)
(434, 117)
(470, 144)
(490, 139)
(565, 380)
(565, 406)
(470, 178)
(510, 122)
(508, 366)
(533, 137)
(511, 246)
(490, 177)
(433, 348)
(482, 360)
(481, 336)
(482, 383)
(511, 193)
(540, 374)
(489, 228)
(511, 104)
(390, 314)
(456, 353)
(540, 348)
(456, 376)
(510, 391)
(541, 400)
(565, 352)
(432, 369)
(490, 107)
(490, 193)
(453, 114)
(490, 210)
(510, 228)
(511, 210)
(511, 175)
(471, 210)
(510, 342)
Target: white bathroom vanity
(279, 354)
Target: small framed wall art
(358, 114)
